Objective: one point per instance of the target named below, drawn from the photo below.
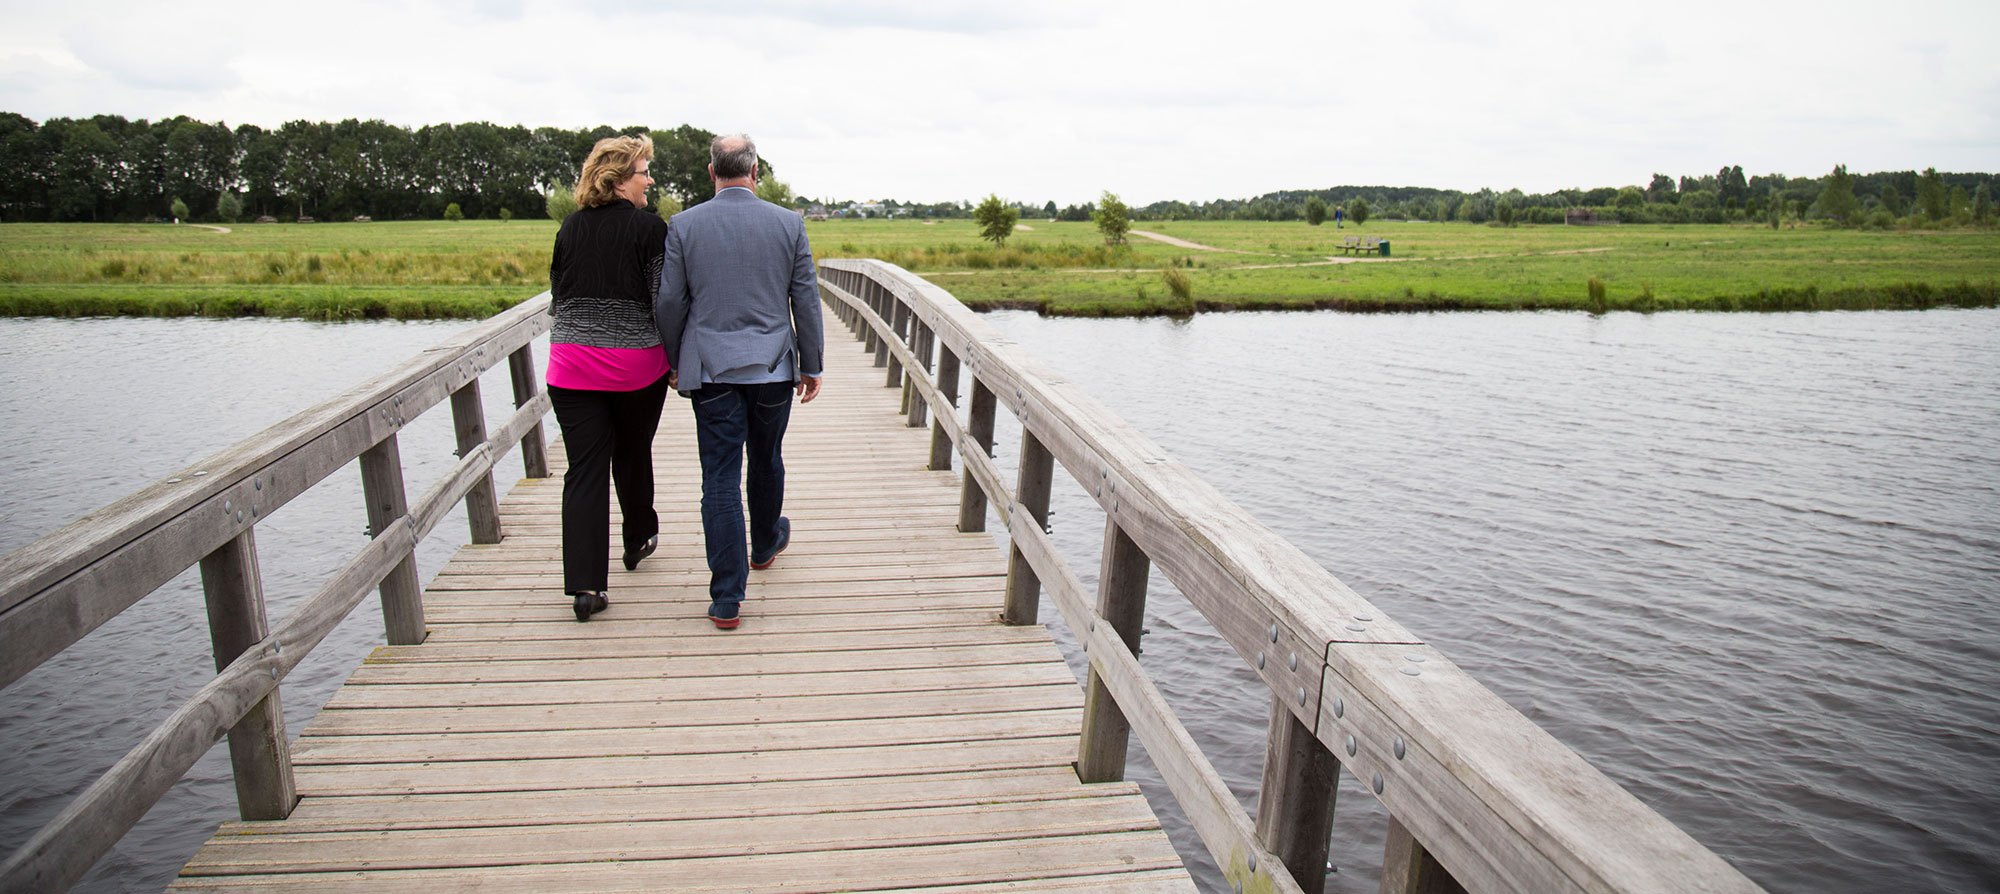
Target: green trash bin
(1385, 248)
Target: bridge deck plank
(870, 727)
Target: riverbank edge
(362, 303)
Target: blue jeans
(730, 422)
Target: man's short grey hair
(733, 155)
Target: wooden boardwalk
(870, 727)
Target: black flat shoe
(588, 603)
(632, 558)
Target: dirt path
(208, 227)
(1183, 243)
(1328, 262)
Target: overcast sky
(935, 100)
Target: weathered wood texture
(871, 726)
(59, 588)
(1495, 800)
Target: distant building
(1580, 217)
(816, 212)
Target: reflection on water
(1744, 564)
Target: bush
(1358, 212)
(506, 214)
(561, 201)
(1113, 219)
(228, 208)
(179, 209)
(1594, 287)
(451, 212)
(1315, 211)
(1178, 284)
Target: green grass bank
(472, 269)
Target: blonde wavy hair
(610, 163)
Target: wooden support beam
(1121, 602)
(259, 754)
(402, 595)
(482, 506)
(534, 446)
(1295, 806)
(947, 384)
(1409, 869)
(972, 500)
(1031, 489)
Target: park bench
(1361, 244)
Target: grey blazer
(738, 292)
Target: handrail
(1479, 796)
(59, 588)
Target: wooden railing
(61, 587)
(1480, 798)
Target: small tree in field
(228, 207)
(1113, 219)
(1504, 210)
(179, 209)
(1315, 211)
(1357, 211)
(561, 201)
(451, 212)
(996, 219)
(506, 214)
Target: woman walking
(607, 372)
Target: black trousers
(609, 437)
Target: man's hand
(673, 378)
(808, 388)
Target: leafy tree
(179, 209)
(1959, 203)
(1836, 198)
(228, 207)
(1049, 210)
(1892, 201)
(1357, 211)
(1630, 198)
(560, 201)
(451, 212)
(1661, 189)
(775, 191)
(1504, 211)
(1113, 219)
(1777, 209)
(666, 206)
(1931, 195)
(506, 214)
(1982, 204)
(1315, 211)
(996, 219)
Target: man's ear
(711, 172)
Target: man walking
(738, 311)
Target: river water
(1747, 565)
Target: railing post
(1409, 869)
(882, 301)
(1121, 602)
(259, 755)
(1295, 806)
(899, 317)
(979, 425)
(534, 449)
(402, 596)
(947, 383)
(468, 417)
(871, 342)
(1031, 490)
(913, 400)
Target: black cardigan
(603, 274)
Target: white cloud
(1058, 99)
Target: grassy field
(475, 268)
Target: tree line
(106, 168)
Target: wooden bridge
(889, 717)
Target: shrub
(1113, 219)
(561, 201)
(1646, 302)
(1358, 212)
(1315, 211)
(506, 214)
(179, 209)
(451, 212)
(228, 208)
(1594, 287)
(1178, 284)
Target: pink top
(584, 368)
